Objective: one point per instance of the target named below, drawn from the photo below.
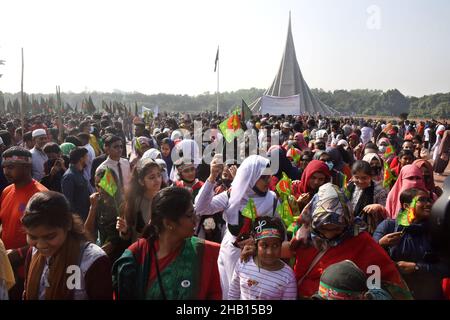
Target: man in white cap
(38, 155)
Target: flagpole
(22, 100)
(218, 63)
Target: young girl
(264, 276)
(376, 165)
(363, 191)
(57, 245)
(166, 151)
(187, 177)
(146, 181)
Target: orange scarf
(68, 254)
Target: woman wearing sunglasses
(409, 245)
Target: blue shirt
(76, 189)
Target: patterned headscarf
(330, 206)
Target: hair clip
(260, 225)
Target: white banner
(280, 105)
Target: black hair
(169, 203)
(270, 223)
(51, 209)
(363, 166)
(320, 144)
(6, 137)
(408, 195)
(84, 124)
(406, 153)
(76, 154)
(28, 136)
(74, 140)
(371, 145)
(307, 153)
(16, 151)
(84, 137)
(104, 123)
(51, 147)
(418, 138)
(110, 139)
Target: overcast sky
(169, 46)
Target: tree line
(347, 102)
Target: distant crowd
(135, 205)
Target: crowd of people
(294, 207)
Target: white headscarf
(176, 134)
(190, 151)
(320, 134)
(369, 157)
(247, 175)
(163, 165)
(152, 154)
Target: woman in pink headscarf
(300, 141)
(410, 177)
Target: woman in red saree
(335, 237)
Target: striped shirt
(252, 283)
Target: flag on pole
(231, 127)
(389, 151)
(138, 145)
(108, 183)
(402, 218)
(406, 217)
(389, 177)
(250, 210)
(295, 155)
(283, 187)
(217, 59)
(246, 113)
(285, 212)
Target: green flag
(402, 218)
(231, 127)
(388, 177)
(250, 210)
(285, 212)
(389, 151)
(283, 187)
(138, 144)
(295, 155)
(108, 183)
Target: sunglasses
(425, 199)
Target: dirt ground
(439, 180)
